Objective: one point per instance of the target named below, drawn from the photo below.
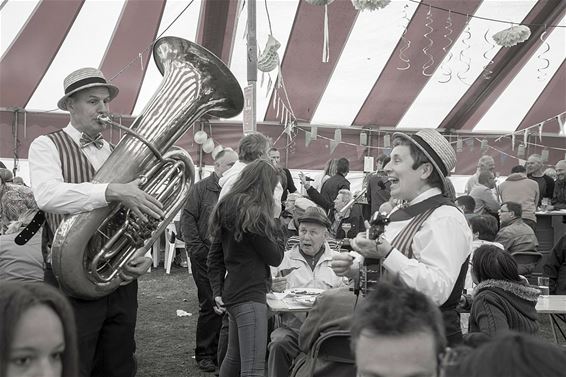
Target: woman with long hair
(329, 171)
(37, 332)
(502, 299)
(243, 229)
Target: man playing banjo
(427, 242)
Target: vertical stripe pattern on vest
(75, 167)
(404, 240)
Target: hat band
(83, 82)
(432, 153)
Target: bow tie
(86, 140)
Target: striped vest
(75, 167)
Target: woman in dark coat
(502, 299)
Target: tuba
(90, 249)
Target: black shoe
(206, 365)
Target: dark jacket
(246, 263)
(559, 196)
(289, 187)
(517, 236)
(546, 186)
(378, 191)
(194, 220)
(330, 188)
(499, 306)
(555, 268)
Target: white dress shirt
(54, 195)
(440, 248)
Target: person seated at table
(19, 262)
(301, 205)
(467, 204)
(306, 265)
(397, 331)
(513, 233)
(559, 196)
(513, 355)
(555, 268)
(502, 299)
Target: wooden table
(552, 305)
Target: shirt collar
(294, 253)
(73, 133)
(425, 195)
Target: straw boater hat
(81, 79)
(437, 149)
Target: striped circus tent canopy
(410, 65)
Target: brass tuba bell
(89, 249)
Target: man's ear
(69, 102)
(427, 170)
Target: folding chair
(332, 348)
(172, 243)
(527, 261)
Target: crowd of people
(249, 232)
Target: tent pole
(250, 92)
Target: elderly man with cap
(306, 265)
(427, 242)
(62, 166)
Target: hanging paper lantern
(208, 146)
(370, 4)
(200, 137)
(512, 36)
(269, 59)
(319, 2)
(219, 148)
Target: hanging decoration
(463, 57)
(512, 36)
(459, 145)
(269, 58)
(444, 67)
(314, 132)
(430, 61)
(487, 72)
(217, 149)
(541, 70)
(200, 137)
(363, 138)
(560, 120)
(544, 155)
(521, 150)
(308, 138)
(483, 146)
(386, 141)
(526, 137)
(337, 140)
(370, 5)
(208, 146)
(407, 42)
(326, 43)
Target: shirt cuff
(99, 196)
(395, 262)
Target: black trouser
(208, 323)
(105, 332)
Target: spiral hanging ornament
(200, 137)
(208, 146)
(326, 42)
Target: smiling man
(306, 265)
(428, 241)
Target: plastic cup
(543, 285)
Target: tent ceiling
(363, 84)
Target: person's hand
(130, 195)
(304, 181)
(219, 305)
(341, 264)
(550, 207)
(369, 248)
(278, 284)
(136, 267)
